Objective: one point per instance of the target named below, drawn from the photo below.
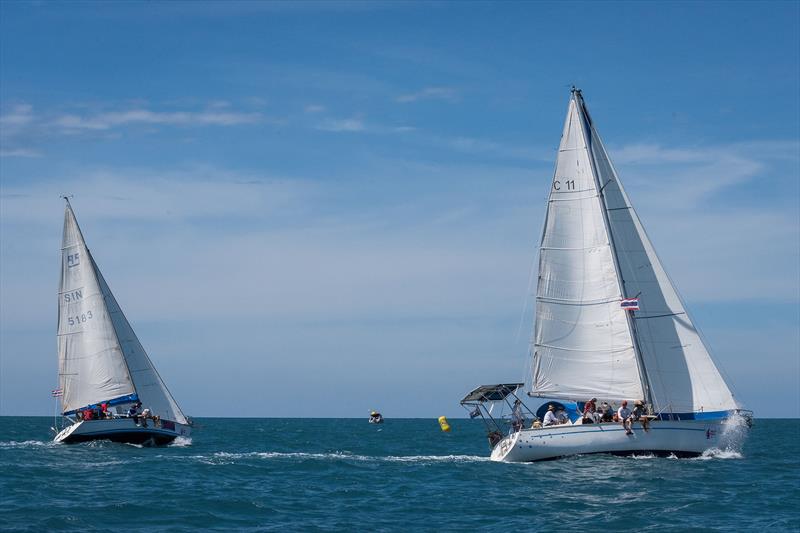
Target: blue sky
(316, 209)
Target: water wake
(27, 444)
(344, 456)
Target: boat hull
(680, 438)
(122, 430)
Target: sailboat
(609, 326)
(108, 387)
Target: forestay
(100, 357)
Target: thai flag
(631, 304)
(57, 392)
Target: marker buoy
(444, 424)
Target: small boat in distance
(109, 388)
(375, 418)
(610, 329)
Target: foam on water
(346, 456)
(181, 442)
(716, 453)
(27, 444)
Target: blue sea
(405, 475)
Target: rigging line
(525, 301)
(658, 316)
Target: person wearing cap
(624, 416)
(639, 414)
(590, 415)
(550, 418)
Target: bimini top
(491, 393)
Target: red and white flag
(631, 304)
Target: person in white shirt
(624, 416)
(550, 418)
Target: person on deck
(550, 418)
(606, 413)
(517, 418)
(639, 414)
(624, 416)
(590, 415)
(134, 409)
(104, 413)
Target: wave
(27, 444)
(180, 442)
(344, 456)
(716, 453)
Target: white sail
(152, 391)
(682, 376)
(91, 365)
(594, 252)
(100, 357)
(582, 342)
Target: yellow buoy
(444, 424)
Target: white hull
(682, 438)
(123, 430)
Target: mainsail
(594, 252)
(100, 357)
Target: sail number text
(568, 185)
(79, 319)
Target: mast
(576, 94)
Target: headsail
(682, 375)
(100, 356)
(594, 253)
(582, 343)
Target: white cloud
(20, 152)
(446, 94)
(314, 108)
(108, 120)
(19, 115)
(354, 124)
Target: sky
(323, 208)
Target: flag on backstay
(630, 304)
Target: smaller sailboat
(109, 388)
(375, 418)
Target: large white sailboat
(609, 325)
(108, 386)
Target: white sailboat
(609, 325)
(102, 362)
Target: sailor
(590, 415)
(517, 418)
(550, 418)
(134, 409)
(145, 415)
(606, 413)
(624, 416)
(104, 410)
(640, 414)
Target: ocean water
(405, 475)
